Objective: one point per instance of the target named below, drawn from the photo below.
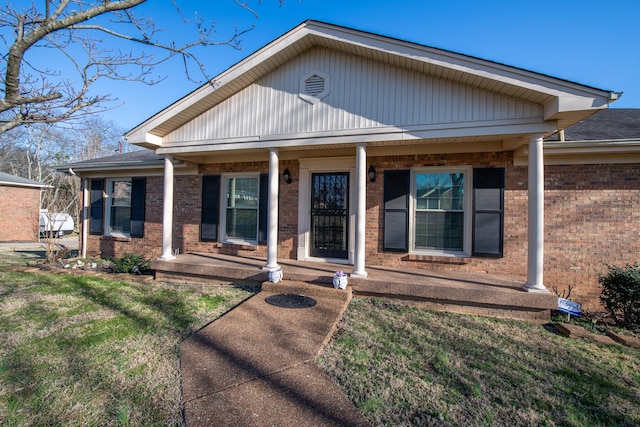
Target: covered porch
(482, 294)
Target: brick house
(335, 145)
(19, 208)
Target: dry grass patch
(89, 351)
(407, 366)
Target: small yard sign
(570, 307)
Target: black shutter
(263, 209)
(138, 192)
(396, 211)
(210, 208)
(96, 208)
(488, 212)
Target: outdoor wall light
(287, 176)
(372, 173)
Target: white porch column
(272, 233)
(361, 211)
(85, 217)
(535, 262)
(167, 211)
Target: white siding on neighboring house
(362, 94)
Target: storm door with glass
(329, 215)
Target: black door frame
(331, 238)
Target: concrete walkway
(255, 366)
(68, 242)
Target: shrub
(621, 294)
(131, 263)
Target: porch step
(455, 292)
(482, 294)
(307, 289)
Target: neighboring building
(19, 208)
(335, 145)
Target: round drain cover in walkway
(290, 301)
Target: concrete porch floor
(483, 294)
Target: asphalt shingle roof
(8, 179)
(612, 123)
(139, 156)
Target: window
(444, 211)
(440, 214)
(119, 201)
(242, 204)
(117, 206)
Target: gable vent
(314, 85)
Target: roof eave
(106, 166)
(26, 185)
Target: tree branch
(36, 95)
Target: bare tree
(32, 152)
(34, 92)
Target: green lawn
(89, 351)
(80, 350)
(407, 366)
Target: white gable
(363, 88)
(362, 94)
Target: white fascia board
(585, 152)
(120, 173)
(499, 127)
(455, 130)
(572, 103)
(115, 166)
(610, 146)
(26, 185)
(216, 83)
(137, 168)
(143, 138)
(463, 63)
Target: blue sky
(593, 42)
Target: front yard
(92, 351)
(84, 350)
(407, 366)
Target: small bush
(131, 263)
(621, 294)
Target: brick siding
(19, 213)
(592, 217)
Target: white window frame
(223, 211)
(108, 205)
(467, 171)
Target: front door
(329, 215)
